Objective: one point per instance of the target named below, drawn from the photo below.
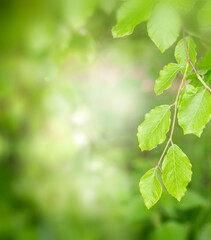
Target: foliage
(193, 104)
(70, 100)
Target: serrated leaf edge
(146, 116)
(179, 67)
(155, 173)
(185, 190)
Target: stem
(164, 151)
(205, 85)
(177, 97)
(176, 100)
(175, 114)
(194, 69)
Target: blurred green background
(71, 99)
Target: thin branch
(164, 151)
(176, 100)
(177, 97)
(194, 69)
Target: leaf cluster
(192, 106)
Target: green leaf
(163, 26)
(181, 55)
(199, 132)
(176, 172)
(131, 13)
(154, 128)
(150, 188)
(194, 110)
(166, 77)
(205, 62)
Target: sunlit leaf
(166, 77)
(154, 128)
(176, 172)
(131, 13)
(181, 55)
(163, 26)
(194, 110)
(150, 188)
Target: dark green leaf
(205, 62)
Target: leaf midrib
(199, 104)
(169, 78)
(161, 119)
(175, 171)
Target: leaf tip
(148, 206)
(157, 92)
(115, 32)
(162, 49)
(179, 197)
